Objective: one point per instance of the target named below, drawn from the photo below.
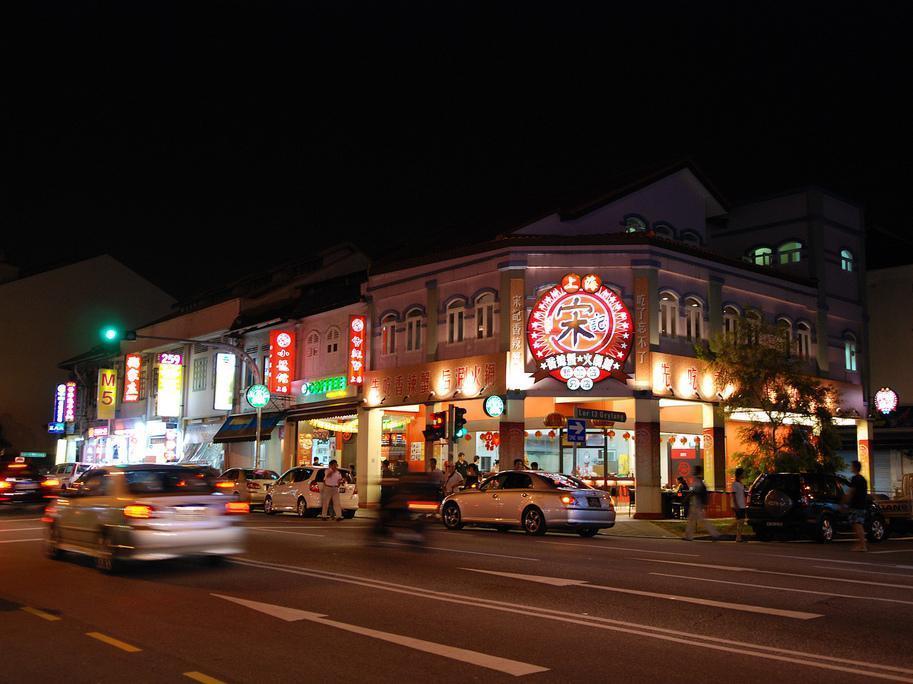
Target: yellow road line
(205, 679)
(111, 641)
(41, 614)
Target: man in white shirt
(452, 478)
(738, 503)
(436, 476)
(332, 478)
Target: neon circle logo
(283, 340)
(580, 332)
(358, 325)
(886, 400)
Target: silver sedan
(534, 500)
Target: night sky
(200, 140)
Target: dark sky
(198, 139)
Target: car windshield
(252, 474)
(559, 481)
(170, 481)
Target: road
(324, 601)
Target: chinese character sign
(69, 404)
(642, 354)
(107, 393)
(133, 366)
(358, 349)
(60, 402)
(580, 332)
(281, 361)
(170, 384)
(517, 311)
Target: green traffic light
(110, 334)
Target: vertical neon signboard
(60, 401)
(107, 393)
(281, 361)
(170, 384)
(224, 393)
(69, 404)
(358, 349)
(133, 368)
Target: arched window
(668, 314)
(760, 256)
(790, 252)
(663, 230)
(803, 341)
(849, 349)
(730, 321)
(332, 339)
(634, 224)
(846, 260)
(690, 237)
(455, 315)
(312, 345)
(485, 316)
(388, 334)
(414, 330)
(694, 319)
(752, 327)
(785, 328)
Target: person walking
(453, 480)
(696, 507)
(472, 476)
(857, 500)
(461, 464)
(329, 491)
(738, 503)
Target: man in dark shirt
(856, 501)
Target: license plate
(594, 502)
(26, 485)
(775, 524)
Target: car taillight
(567, 500)
(237, 508)
(422, 505)
(253, 485)
(48, 512)
(138, 511)
(5, 485)
(51, 483)
(315, 487)
(225, 484)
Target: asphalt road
(324, 601)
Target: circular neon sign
(886, 400)
(580, 332)
(494, 406)
(258, 396)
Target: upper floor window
(694, 319)
(414, 330)
(790, 252)
(752, 327)
(849, 350)
(730, 321)
(803, 341)
(634, 224)
(785, 328)
(663, 230)
(312, 345)
(668, 314)
(485, 315)
(761, 256)
(332, 340)
(455, 315)
(846, 260)
(200, 370)
(690, 237)
(388, 334)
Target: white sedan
(534, 500)
(145, 512)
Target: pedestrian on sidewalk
(697, 502)
(329, 492)
(472, 476)
(453, 480)
(461, 465)
(857, 500)
(738, 503)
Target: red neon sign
(281, 361)
(132, 369)
(358, 348)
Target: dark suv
(806, 504)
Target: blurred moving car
(145, 512)
(534, 500)
(67, 473)
(806, 504)
(298, 490)
(248, 484)
(21, 484)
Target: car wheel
(105, 558)
(52, 544)
(302, 509)
(824, 531)
(453, 519)
(534, 521)
(268, 506)
(349, 513)
(878, 530)
(588, 532)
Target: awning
(243, 427)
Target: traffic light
(459, 423)
(111, 333)
(437, 429)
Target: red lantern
(612, 434)
(468, 437)
(683, 440)
(525, 435)
(626, 435)
(496, 439)
(697, 441)
(551, 434)
(672, 440)
(538, 434)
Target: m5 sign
(107, 393)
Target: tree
(791, 420)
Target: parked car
(67, 473)
(533, 500)
(20, 484)
(248, 484)
(145, 512)
(298, 490)
(806, 504)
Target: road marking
(894, 551)
(843, 562)
(605, 547)
(116, 643)
(692, 640)
(17, 541)
(40, 613)
(474, 553)
(774, 572)
(204, 678)
(866, 571)
(270, 529)
(22, 529)
(744, 607)
(769, 586)
(506, 665)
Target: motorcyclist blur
(405, 502)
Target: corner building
(457, 326)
